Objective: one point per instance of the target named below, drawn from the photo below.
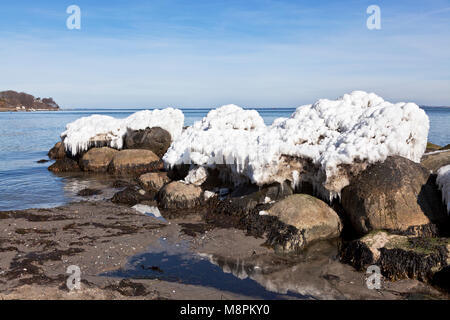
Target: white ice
(443, 181)
(358, 127)
(151, 211)
(196, 176)
(83, 133)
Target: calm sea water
(26, 138)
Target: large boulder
(97, 159)
(436, 160)
(134, 162)
(64, 165)
(155, 139)
(399, 256)
(397, 194)
(153, 181)
(179, 195)
(312, 219)
(57, 152)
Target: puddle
(175, 263)
(316, 273)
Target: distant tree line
(12, 98)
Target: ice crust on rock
(100, 130)
(197, 176)
(323, 143)
(227, 135)
(443, 181)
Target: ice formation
(208, 194)
(323, 143)
(443, 181)
(227, 135)
(196, 176)
(151, 211)
(100, 130)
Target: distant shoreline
(27, 110)
(181, 108)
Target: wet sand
(124, 254)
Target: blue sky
(255, 53)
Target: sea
(26, 137)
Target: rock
(197, 176)
(155, 139)
(208, 195)
(214, 179)
(153, 181)
(398, 256)
(246, 197)
(57, 152)
(436, 160)
(432, 147)
(97, 159)
(397, 194)
(312, 218)
(132, 196)
(178, 172)
(87, 192)
(178, 195)
(134, 162)
(64, 165)
(447, 147)
(42, 161)
(122, 184)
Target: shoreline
(101, 237)
(36, 110)
(255, 227)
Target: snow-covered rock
(226, 135)
(323, 143)
(100, 130)
(197, 176)
(443, 181)
(208, 194)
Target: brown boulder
(64, 165)
(153, 181)
(97, 159)
(397, 194)
(132, 196)
(134, 162)
(178, 195)
(155, 139)
(313, 219)
(57, 152)
(398, 256)
(436, 160)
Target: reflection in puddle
(74, 183)
(175, 263)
